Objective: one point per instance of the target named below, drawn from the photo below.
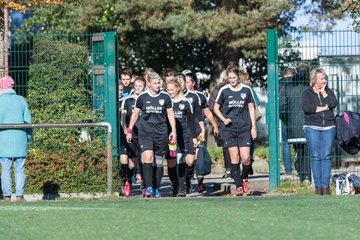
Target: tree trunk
(222, 56)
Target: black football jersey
(203, 100)
(153, 112)
(185, 118)
(234, 105)
(195, 102)
(128, 105)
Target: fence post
(272, 109)
(111, 85)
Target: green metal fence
(80, 71)
(338, 52)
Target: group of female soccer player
(158, 114)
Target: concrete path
(216, 186)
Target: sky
(343, 24)
(303, 19)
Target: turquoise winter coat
(13, 110)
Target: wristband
(129, 130)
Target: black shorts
(123, 141)
(186, 145)
(236, 138)
(219, 140)
(132, 149)
(158, 144)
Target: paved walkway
(215, 186)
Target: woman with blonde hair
(318, 102)
(186, 137)
(156, 112)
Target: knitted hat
(6, 82)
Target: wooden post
(6, 40)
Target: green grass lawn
(295, 217)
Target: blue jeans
(320, 143)
(286, 150)
(19, 169)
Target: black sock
(159, 175)
(130, 175)
(251, 171)
(235, 172)
(200, 179)
(148, 174)
(124, 171)
(173, 176)
(189, 174)
(181, 172)
(227, 160)
(138, 167)
(154, 176)
(246, 171)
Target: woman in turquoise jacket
(13, 142)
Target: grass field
(295, 217)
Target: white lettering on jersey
(178, 114)
(236, 103)
(152, 109)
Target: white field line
(49, 208)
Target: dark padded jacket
(311, 100)
(348, 131)
(290, 104)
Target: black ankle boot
(326, 191)
(318, 191)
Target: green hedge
(59, 90)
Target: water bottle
(173, 150)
